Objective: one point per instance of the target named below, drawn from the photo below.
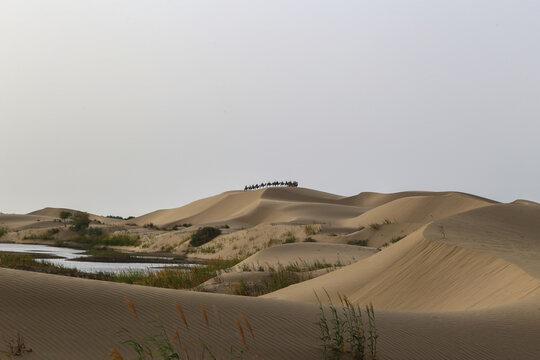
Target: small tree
(64, 215)
(81, 221)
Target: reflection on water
(66, 254)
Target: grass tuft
(346, 332)
(312, 229)
(375, 226)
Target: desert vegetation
(358, 242)
(312, 229)
(46, 235)
(97, 238)
(279, 276)
(80, 222)
(346, 332)
(178, 277)
(204, 235)
(183, 344)
(3, 231)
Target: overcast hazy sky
(124, 107)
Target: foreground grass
(183, 343)
(346, 332)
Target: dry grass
(17, 346)
(164, 345)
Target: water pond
(66, 256)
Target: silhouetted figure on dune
(271, 183)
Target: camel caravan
(269, 184)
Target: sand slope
(55, 213)
(307, 253)
(417, 274)
(67, 318)
(508, 231)
(21, 222)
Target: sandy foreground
(450, 275)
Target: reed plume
(241, 332)
(205, 315)
(181, 313)
(116, 355)
(248, 326)
(131, 307)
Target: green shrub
(204, 235)
(3, 231)
(289, 237)
(178, 226)
(124, 239)
(310, 239)
(53, 231)
(95, 231)
(64, 215)
(80, 222)
(290, 240)
(312, 229)
(358, 242)
(396, 239)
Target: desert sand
(450, 276)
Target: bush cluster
(204, 235)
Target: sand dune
(307, 253)
(256, 207)
(508, 231)
(20, 222)
(405, 215)
(464, 283)
(55, 213)
(417, 274)
(79, 319)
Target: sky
(122, 107)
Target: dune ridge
(455, 276)
(397, 279)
